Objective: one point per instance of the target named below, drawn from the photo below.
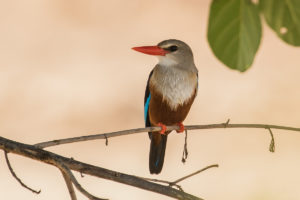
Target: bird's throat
(175, 86)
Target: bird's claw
(181, 127)
(163, 128)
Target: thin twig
(185, 152)
(67, 172)
(152, 129)
(69, 185)
(193, 174)
(272, 143)
(17, 178)
(175, 183)
(106, 140)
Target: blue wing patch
(146, 107)
(147, 98)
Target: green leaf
(234, 32)
(283, 16)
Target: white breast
(176, 86)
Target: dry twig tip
(17, 178)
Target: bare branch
(151, 129)
(67, 172)
(36, 152)
(69, 185)
(16, 177)
(33, 152)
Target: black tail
(157, 153)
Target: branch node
(117, 174)
(16, 177)
(175, 183)
(226, 123)
(171, 184)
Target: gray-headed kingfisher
(171, 89)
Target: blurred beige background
(66, 69)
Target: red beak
(151, 50)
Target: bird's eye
(173, 48)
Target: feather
(147, 102)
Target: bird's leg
(181, 127)
(163, 128)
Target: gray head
(178, 53)
(171, 53)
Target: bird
(170, 92)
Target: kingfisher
(171, 89)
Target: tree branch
(36, 153)
(152, 129)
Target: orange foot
(163, 128)
(181, 127)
